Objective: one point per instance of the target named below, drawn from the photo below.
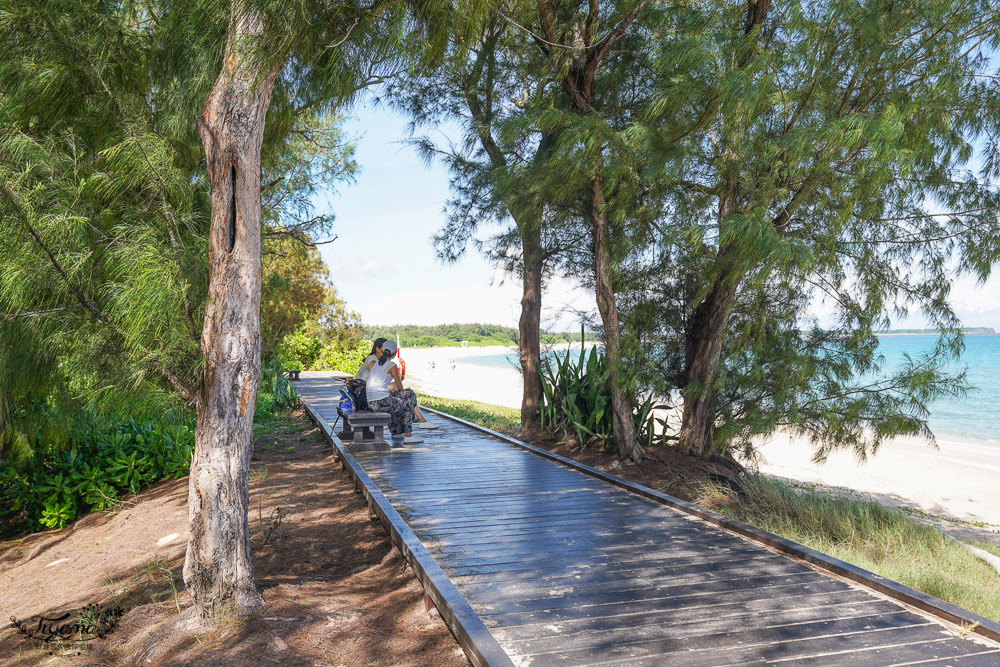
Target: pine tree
(823, 150)
(107, 206)
(481, 85)
(593, 65)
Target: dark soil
(338, 593)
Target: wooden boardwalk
(564, 568)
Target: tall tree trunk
(218, 569)
(703, 343)
(623, 424)
(528, 330)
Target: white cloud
(369, 267)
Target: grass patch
(879, 539)
(495, 417)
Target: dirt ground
(337, 592)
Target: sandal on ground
(412, 440)
(427, 425)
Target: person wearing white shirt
(370, 362)
(399, 403)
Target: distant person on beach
(370, 362)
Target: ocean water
(976, 416)
(513, 360)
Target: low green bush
(274, 392)
(334, 358)
(107, 458)
(298, 350)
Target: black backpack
(359, 392)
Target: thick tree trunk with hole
(623, 424)
(528, 331)
(218, 570)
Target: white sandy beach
(959, 480)
(453, 377)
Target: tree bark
(217, 569)
(703, 340)
(623, 424)
(528, 331)
(703, 348)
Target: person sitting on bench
(365, 368)
(400, 403)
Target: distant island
(968, 331)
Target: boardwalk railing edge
(972, 622)
(479, 644)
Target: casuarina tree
(483, 83)
(837, 150)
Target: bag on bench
(354, 393)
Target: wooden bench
(364, 431)
(293, 373)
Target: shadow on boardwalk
(567, 569)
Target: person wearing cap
(399, 403)
(366, 367)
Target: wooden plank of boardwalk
(566, 569)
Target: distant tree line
(411, 335)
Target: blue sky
(383, 261)
(385, 266)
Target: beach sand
(453, 377)
(956, 485)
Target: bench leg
(379, 434)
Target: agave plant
(577, 401)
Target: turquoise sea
(975, 416)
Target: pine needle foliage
(104, 203)
(837, 152)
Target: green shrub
(577, 401)
(297, 350)
(300, 351)
(108, 458)
(274, 392)
(334, 358)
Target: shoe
(412, 440)
(427, 425)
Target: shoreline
(954, 485)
